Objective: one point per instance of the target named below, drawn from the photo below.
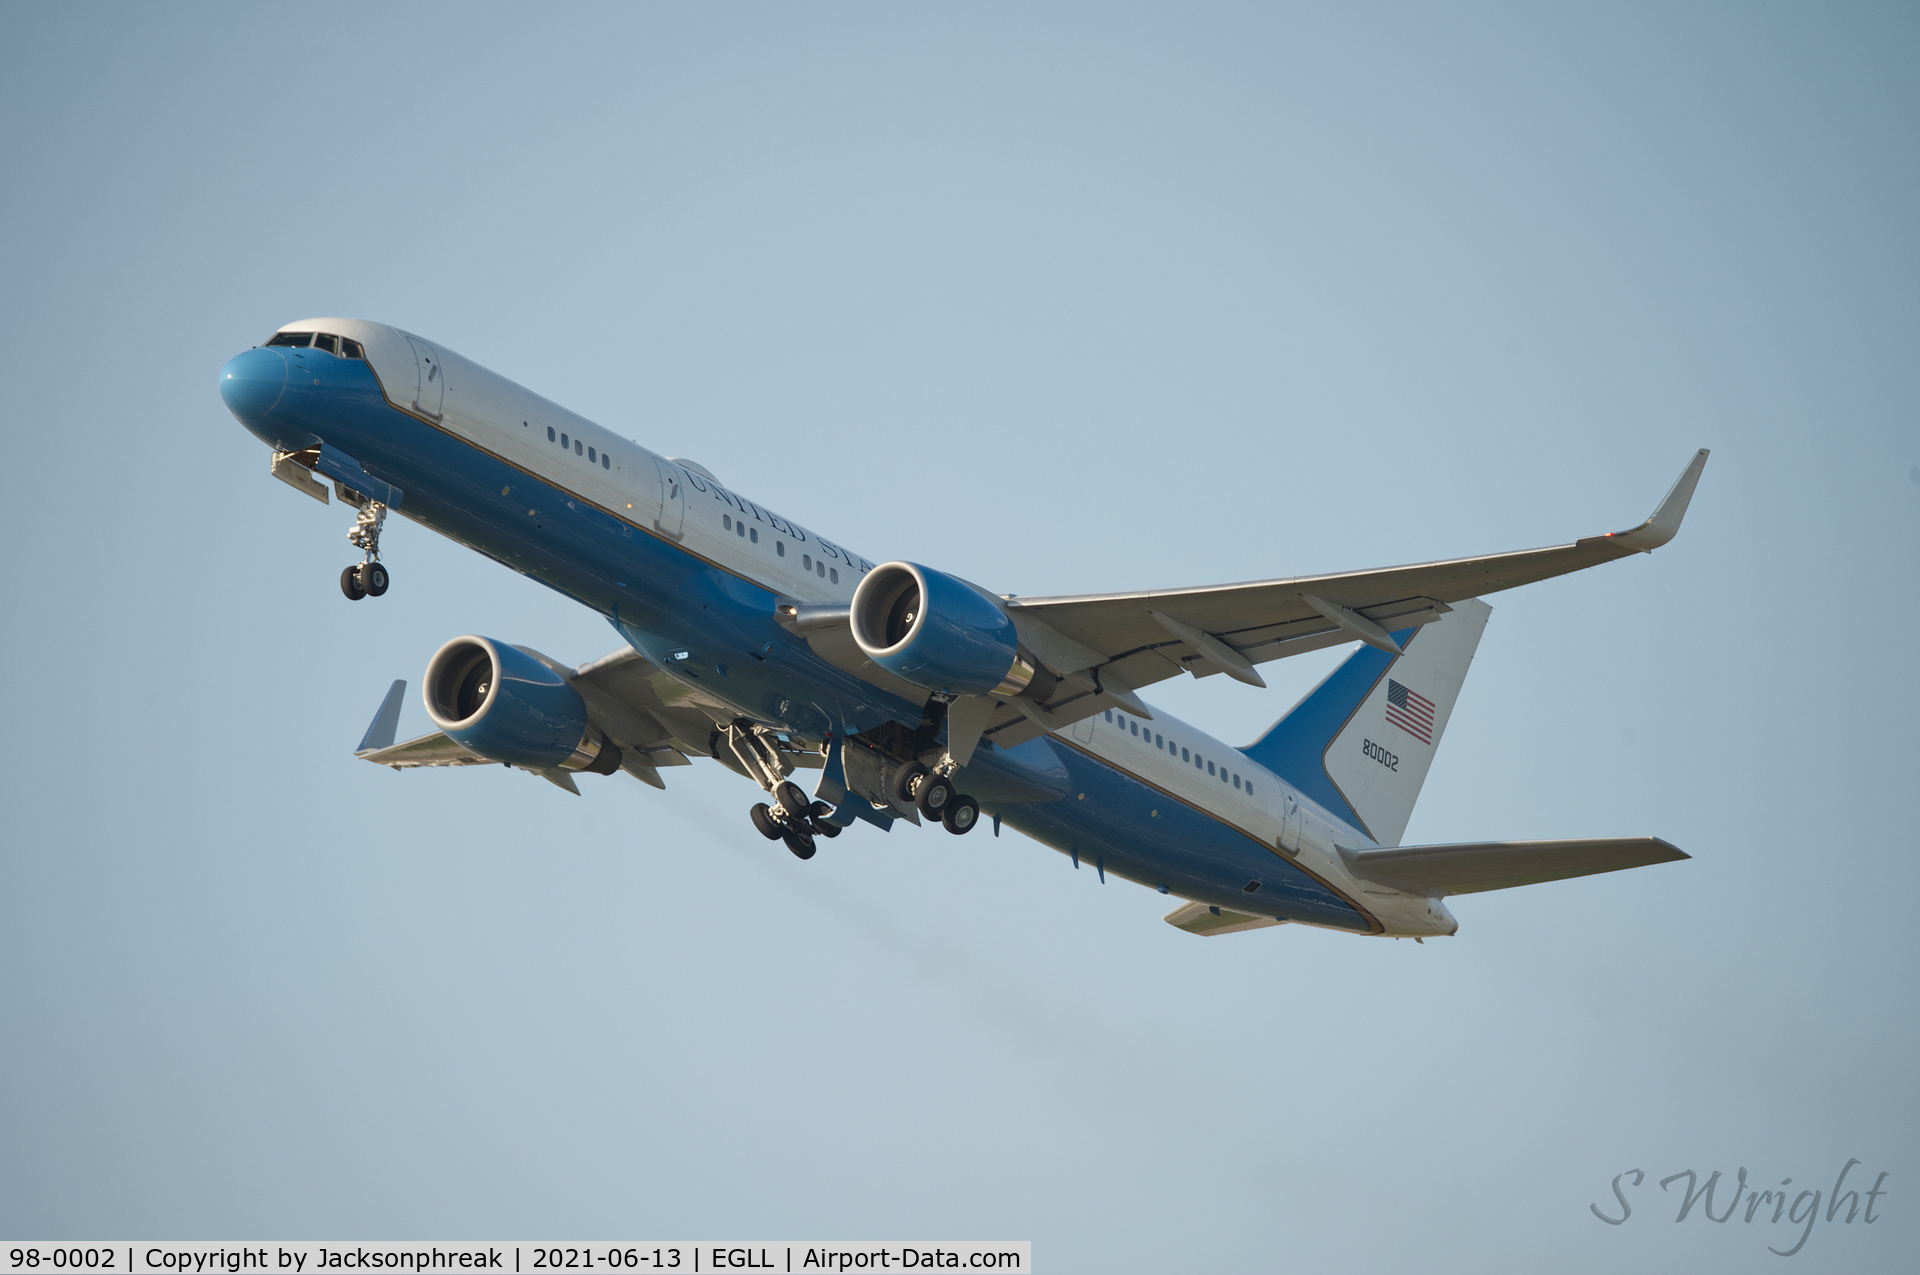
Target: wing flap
(1471, 867)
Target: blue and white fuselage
(737, 606)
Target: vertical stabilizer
(1361, 742)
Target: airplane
(909, 693)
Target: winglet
(380, 730)
(1664, 525)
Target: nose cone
(252, 383)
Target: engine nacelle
(505, 705)
(938, 631)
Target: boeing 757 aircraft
(910, 694)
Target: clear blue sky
(1059, 298)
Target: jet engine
(939, 632)
(502, 703)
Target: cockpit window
(332, 344)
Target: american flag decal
(1411, 711)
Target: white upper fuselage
(680, 499)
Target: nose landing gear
(364, 580)
(367, 579)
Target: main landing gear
(791, 818)
(799, 830)
(933, 795)
(367, 579)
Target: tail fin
(1360, 742)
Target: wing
(1147, 636)
(640, 708)
(428, 750)
(1107, 645)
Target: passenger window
(1236, 781)
(740, 529)
(1159, 742)
(753, 534)
(328, 342)
(563, 440)
(1109, 714)
(1249, 787)
(606, 461)
(1185, 755)
(549, 433)
(352, 350)
(298, 340)
(577, 446)
(1209, 768)
(833, 574)
(780, 547)
(591, 458)
(806, 562)
(820, 568)
(1134, 727)
(726, 520)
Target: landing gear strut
(369, 578)
(791, 818)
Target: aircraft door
(432, 385)
(673, 499)
(1290, 825)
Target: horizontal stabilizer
(1473, 866)
(1206, 920)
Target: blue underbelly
(1118, 824)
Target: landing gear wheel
(935, 795)
(906, 783)
(792, 802)
(823, 825)
(765, 823)
(800, 841)
(350, 584)
(961, 814)
(374, 578)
